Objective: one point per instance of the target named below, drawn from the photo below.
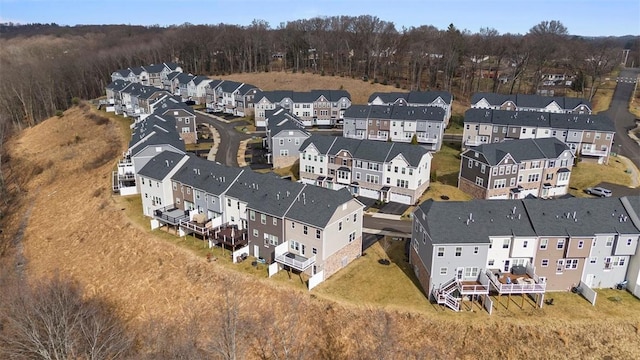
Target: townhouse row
(285, 224)
(471, 249)
(516, 169)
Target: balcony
(428, 140)
(378, 137)
(355, 136)
(473, 142)
(171, 215)
(296, 261)
(516, 284)
(229, 236)
(593, 152)
(195, 227)
(472, 288)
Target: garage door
(400, 198)
(368, 193)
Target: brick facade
(471, 188)
(334, 262)
(422, 273)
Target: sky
(581, 17)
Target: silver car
(598, 191)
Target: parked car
(598, 191)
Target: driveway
(619, 190)
(619, 113)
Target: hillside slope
(78, 229)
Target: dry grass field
(78, 229)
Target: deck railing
(294, 263)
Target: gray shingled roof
(198, 79)
(302, 97)
(229, 86)
(173, 74)
(520, 150)
(266, 193)
(118, 85)
(184, 78)
(530, 101)
(540, 119)
(160, 165)
(366, 149)
(207, 176)
(396, 112)
(316, 205)
(468, 222)
(413, 97)
(280, 120)
(154, 68)
(592, 216)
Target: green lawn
(588, 174)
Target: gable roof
(396, 112)
(412, 97)
(229, 86)
(597, 122)
(367, 150)
(118, 85)
(302, 97)
(155, 130)
(592, 216)
(199, 78)
(281, 120)
(161, 165)
(266, 193)
(207, 176)
(469, 222)
(529, 101)
(183, 78)
(520, 150)
(316, 205)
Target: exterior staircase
(445, 295)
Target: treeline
(43, 66)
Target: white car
(598, 191)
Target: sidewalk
(216, 142)
(384, 216)
(203, 113)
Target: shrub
(75, 100)
(59, 113)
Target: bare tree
(53, 321)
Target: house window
(355, 217)
(580, 244)
(544, 262)
(475, 250)
(609, 242)
(275, 221)
(443, 271)
(469, 164)
(560, 244)
(483, 168)
(305, 229)
(441, 252)
(340, 226)
(317, 233)
(525, 243)
(293, 225)
(559, 266)
(607, 263)
(505, 244)
(593, 260)
(458, 251)
(295, 245)
(479, 181)
(543, 244)
(252, 215)
(352, 236)
(491, 262)
(571, 264)
(263, 218)
(629, 242)
(255, 233)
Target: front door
(459, 273)
(256, 251)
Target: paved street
(229, 138)
(623, 119)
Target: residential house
(285, 134)
(149, 138)
(451, 244)
(184, 116)
(170, 82)
(535, 103)
(589, 136)
(114, 93)
(422, 124)
(632, 205)
(442, 99)
(211, 95)
(181, 85)
(302, 227)
(148, 75)
(316, 107)
(231, 97)
(516, 169)
(528, 246)
(196, 89)
(588, 240)
(155, 180)
(383, 171)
